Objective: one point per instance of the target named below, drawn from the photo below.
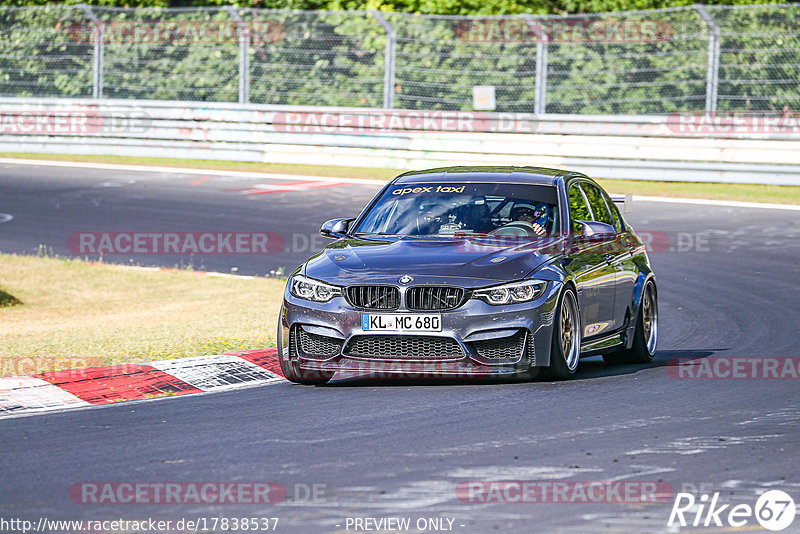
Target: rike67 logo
(774, 510)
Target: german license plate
(401, 322)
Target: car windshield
(462, 209)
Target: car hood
(472, 262)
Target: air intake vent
(374, 297)
(434, 298)
(404, 348)
(316, 345)
(503, 350)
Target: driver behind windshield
(534, 215)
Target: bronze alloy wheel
(570, 331)
(645, 336)
(650, 319)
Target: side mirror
(596, 229)
(335, 228)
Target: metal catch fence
(638, 62)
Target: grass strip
(68, 313)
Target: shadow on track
(590, 368)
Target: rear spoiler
(625, 200)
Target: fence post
(391, 56)
(540, 97)
(99, 31)
(244, 54)
(712, 76)
(540, 91)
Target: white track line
(727, 203)
(181, 170)
(377, 183)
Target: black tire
(566, 333)
(645, 337)
(292, 371)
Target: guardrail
(695, 147)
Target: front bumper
(476, 340)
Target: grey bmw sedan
(472, 272)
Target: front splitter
(419, 369)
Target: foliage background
(449, 7)
(334, 57)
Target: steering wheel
(515, 229)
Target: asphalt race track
(50, 203)
(728, 287)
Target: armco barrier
(726, 148)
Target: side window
(598, 204)
(578, 210)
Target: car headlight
(308, 289)
(511, 293)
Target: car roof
(509, 174)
